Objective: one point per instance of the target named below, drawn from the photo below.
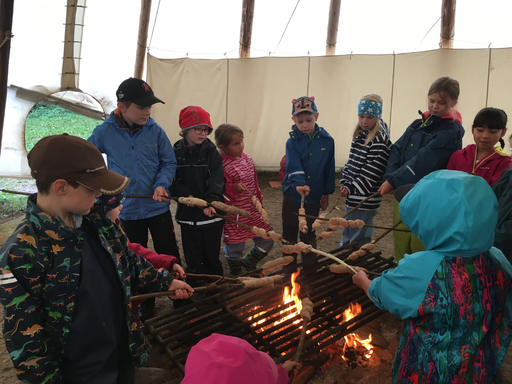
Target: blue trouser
(360, 235)
(235, 251)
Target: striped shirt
(362, 174)
(241, 170)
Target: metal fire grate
(236, 311)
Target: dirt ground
(389, 327)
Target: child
(483, 158)
(239, 176)
(158, 261)
(137, 147)
(425, 146)
(221, 359)
(66, 274)
(200, 175)
(455, 297)
(362, 174)
(309, 170)
(503, 230)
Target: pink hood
(221, 359)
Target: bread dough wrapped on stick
(303, 224)
(307, 309)
(230, 209)
(296, 248)
(318, 223)
(339, 221)
(272, 264)
(274, 235)
(193, 201)
(327, 234)
(260, 209)
(339, 268)
(362, 251)
(260, 232)
(251, 282)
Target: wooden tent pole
(332, 28)
(246, 29)
(6, 11)
(142, 41)
(447, 23)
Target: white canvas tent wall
(254, 93)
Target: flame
(352, 340)
(289, 297)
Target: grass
(43, 120)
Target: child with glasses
(199, 174)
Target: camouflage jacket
(39, 275)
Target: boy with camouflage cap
(66, 274)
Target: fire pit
(268, 322)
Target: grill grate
(232, 311)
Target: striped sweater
(241, 170)
(362, 174)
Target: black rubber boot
(235, 268)
(250, 260)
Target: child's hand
(361, 279)
(182, 290)
(160, 194)
(303, 188)
(344, 191)
(385, 188)
(179, 270)
(289, 365)
(239, 187)
(324, 203)
(209, 211)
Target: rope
(296, 5)
(8, 36)
(154, 24)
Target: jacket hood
(452, 212)
(451, 116)
(319, 130)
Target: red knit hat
(191, 117)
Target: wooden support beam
(142, 41)
(332, 28)
(6, 11)
(447, 23)
(246, 29)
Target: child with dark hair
(425, 146)
(240, 184)
(455, 297)
(484, 158)
(199, 174)
(309, 171)
(66, 274)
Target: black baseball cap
(138, 92)
(400, 192)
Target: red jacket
(489, 168)
(157, 260)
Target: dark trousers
(162, 233)
(201, 247)
(291, 230)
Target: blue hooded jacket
(456, 295)
(309, 161)
(147, 158)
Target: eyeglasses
(198, 131)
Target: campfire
(355, 349)
(269, 317)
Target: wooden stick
(361, 203)
(211, 276)
(389, 230)
(16, 192)
(244, 225)
(172, 292)
(349, 267)
(333, 206)
(368, 272)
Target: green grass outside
(43, 120)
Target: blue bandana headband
(370, 107)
